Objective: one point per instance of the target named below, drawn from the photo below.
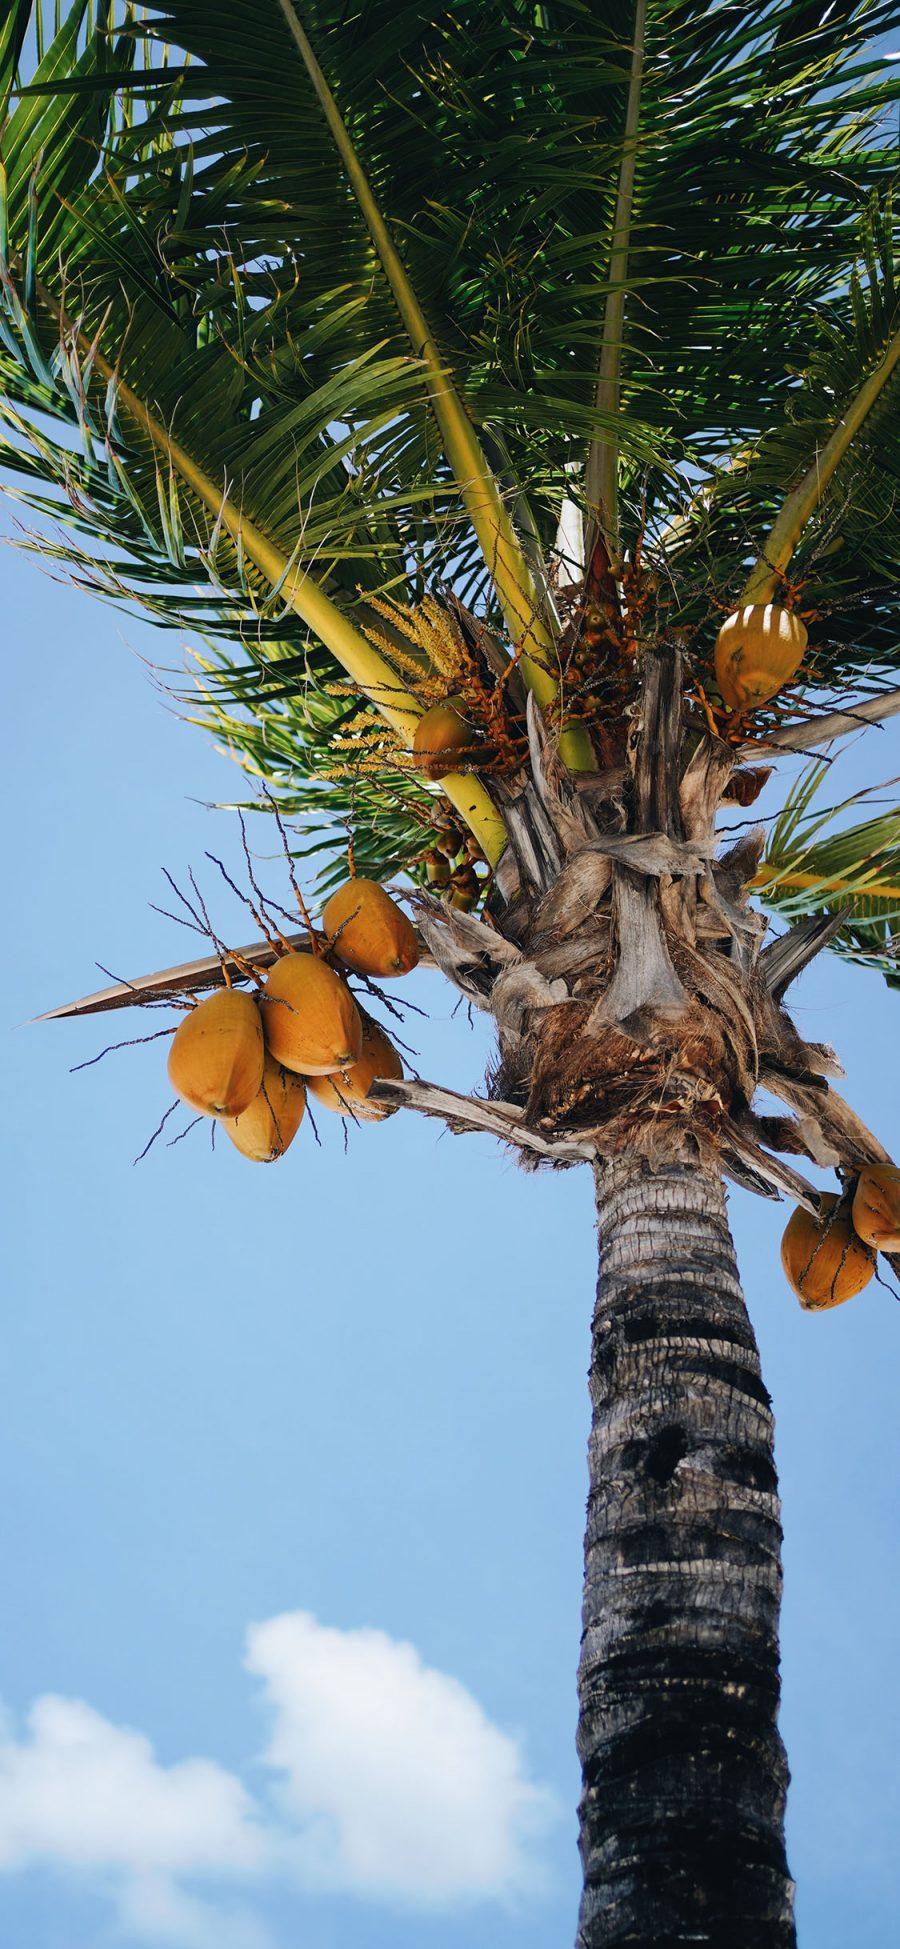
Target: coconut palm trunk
(682, 1813)
(619, 1017)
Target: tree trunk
(684, 1770)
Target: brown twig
(158, 1131)
(129, 1043)
(304, 915)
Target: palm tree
(490, 357)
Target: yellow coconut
(368, 931)
(758, 650)
(824, 1259)
(348, 1093)
(441, 734)
(264, 1130)
(311, 1020)
(217, 1054)
(876, 1207)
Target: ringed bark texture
(682, 1812)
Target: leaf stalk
(602, 473)
(802, 503)
(517, 592)
(367, 669)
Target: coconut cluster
(249, 1061)
(829, 1257)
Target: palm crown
(310, 340)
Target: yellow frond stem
(370, 672)
(801, 505)
(471, 801)
(517, 592)
(871, 890)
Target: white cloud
(401, 1784)
(156, 1910)
(387, 1779)
(82, 1791)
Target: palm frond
(816, 864)
(868, 342)
(201, 222)
(749, 179)
(308, 753)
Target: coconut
(217, 1054)
(311, 1020)
(465, 888)
(758, 650)
(264, 1130)
(348, 1093)
(441, 734)
(437, 868)
(876, 1207)
(368, 931)
(450, 841)
(824, 1259)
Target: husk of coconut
(311, 1021)
(270, 1123)
(368, 931)
(217, 1054)
(348, 1093)
(876, 1207)
(758, 649)
(823, 1258)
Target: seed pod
(349, 1092)
(876, 1207)
(440, 735)
(758, 650)
(437, 869)
(449, 841)
(217, 1054)
(465, 889)
(368, 931)
(823, 1258)
(311, 1020)
(264, 1131)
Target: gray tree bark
(684, 1771)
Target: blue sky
(293, 1470)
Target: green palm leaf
(816, 864)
